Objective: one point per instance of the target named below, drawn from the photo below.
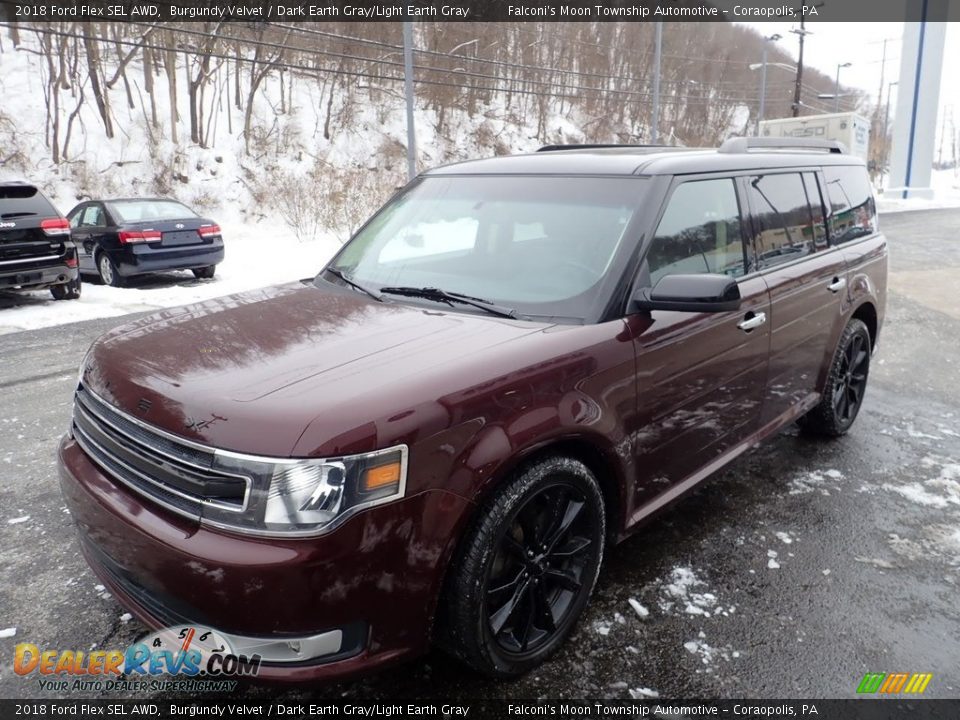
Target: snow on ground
(939, 492)
(8, 632)
(815, 481)
(946, 194)
(685, 591)
(707, 653)
(639, 609)
(257, 254)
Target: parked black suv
(36, 250)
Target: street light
(836, 88)
(763, 81)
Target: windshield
(541, 245)
(146, 210)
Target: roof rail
(746, 144)
(589, 146)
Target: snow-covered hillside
(285, 205)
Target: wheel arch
(599, 461)
(866, 312)
(610, 476)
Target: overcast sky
(831, 44)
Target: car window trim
(651, 227)
(828, 206)
(754, 217)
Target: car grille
(175, 473)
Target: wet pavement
(801, 567)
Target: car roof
(627, 160)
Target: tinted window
(541, 245)
(783, 224)
(816, 209)
(92, 216)
(853, 212)
(699, 232)
(24, 201)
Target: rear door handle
(837, 285)
(752, 321)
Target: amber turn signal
(381, 476)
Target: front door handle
(837, 285)
(751, 321)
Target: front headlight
(308, 497)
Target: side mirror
(690, 293)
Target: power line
(673, 100)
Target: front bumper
(374, 580)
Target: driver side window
(699, 232)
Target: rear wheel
(205, 273)
(526, 570)
(846, 384)
(108, 271)
(67, 291)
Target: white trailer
(849, 128)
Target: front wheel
(845, 386)
(526, 570)
(67, 291)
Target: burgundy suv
(515, 363)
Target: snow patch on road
(683, 591)
(8, 632)
(784, 537)
(18, 520)
(639, 609)
(707, 653)
(939, 492)
(821, 481)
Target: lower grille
(177, 475)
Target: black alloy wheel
(845, 386)
(538, 570)
(851, 380)
(525, 571)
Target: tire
(67, 291)
(205, 273)
(108, 271)
(845, 387)
(509, 601)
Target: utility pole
(657, 44)
(408, 91)
(763, 82)
(883, 66)
(836, 88)
(802, 32)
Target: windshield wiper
(346, 278)
(432, 293)
(17, 214)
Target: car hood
(250, 372)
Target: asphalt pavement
(801, 567)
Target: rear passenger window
(92, 216)
(853, 213)
(784, 225)
(699, 232)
